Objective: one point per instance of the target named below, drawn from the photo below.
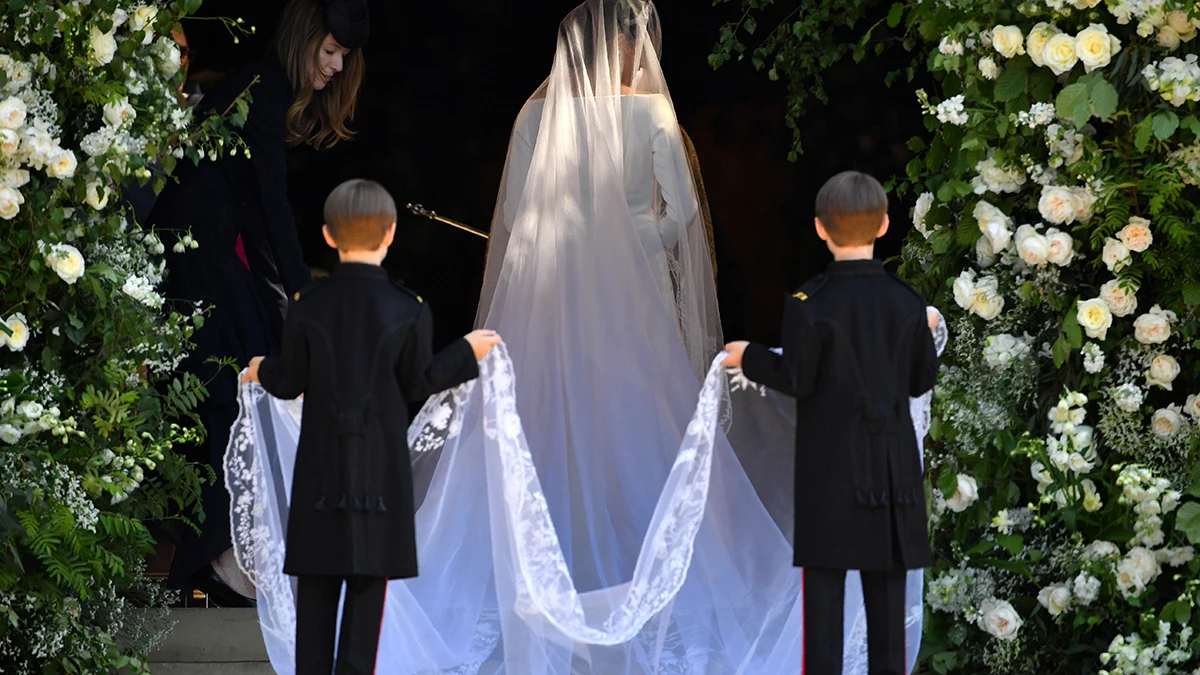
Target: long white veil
(608, 528)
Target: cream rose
(67, 262)
(1095, 47)
(1165, 422)
(994, 225)
(10, 202)
(143, 19)
(1136, 235)
(1094, 317)
(1032, 246)
(1163, 371)
(62, 164)
(97, 195)
(1061, 247)
(920, 211)
(1099, 550)
(964, 289)
(168, 61)
(1152, 329)
(966, 495)
(103, 47)
(14, 178)
(1059, 54)
(117, 112)
(1121, 300)
(1008, 40)
(1192, 407)
(1168, 39)
(1181, 24)
(1059, 205)
(1035, 44)
(1000, 620)
(1115, 255)
(984, 255)
(12, 113)
(1056, 599)
(988, 302)
(20, 332)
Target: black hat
(348, 21)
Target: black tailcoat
(856, 346)
(358, 348)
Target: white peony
(1152, 328)
(1095, 47)
(1138, 569)
(1163, 371)
(1032, 246)
(988, 68)
(966, 495)
(1035, 44)
(62, 165)
(1136, 234)
(1055, 598)
(118, 112)
(1087, 587)
(1061, 247)
(12, 113)
(19, 329)
(1166, 422)
(1008, 41)
(1128, 397)
(1059, 53)
(1094, 317)
(999, 619)
(10, 202)
(103, 47)
(1059, 205)
(1115, 255)
(1121, 297)
(66, 261)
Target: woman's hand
(251, 374)
(482, 341)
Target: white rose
(1151, 329)
(1095, 47)
(1144, 563)
(1062, 247)
(1192, 407)
(1115, 255)
(1000, 620)
(994, 224)
(1059, 205)
(1168, 39)
(1085, 198)
(9, 142)
(1035, 44)
(97, 195)
(964, 289)
(143, 19)
(966, 495)
(988, 68)
(1136, 235)
(1163, 371)
(1094, 317)
(20, 332)
(1032, 246)
(988, 302)
(62, 165)
(12, 113)
(1087, 588)
(1165, 422)
(1120, 299)
(168, 61)
(14, 178)
(1099, 550)
(984, 254)
(1008, 40)
(924, 204)
(67, 262)
(1181, 24)
(10, 202)
(103, 47)
(1059, 53)
(117, 112)
(1056, 598)
(1085, 4)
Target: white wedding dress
(581, 508)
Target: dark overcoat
(358, 347)
(856, 347)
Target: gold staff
(424, 212)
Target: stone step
(242, 668)
(230, 638)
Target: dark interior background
(445, 81)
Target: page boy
(358, 347)
(856, 346)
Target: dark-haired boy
(856, 346)
(358, 347)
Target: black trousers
(316, 625)
(824, 603)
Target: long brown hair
(316, 118)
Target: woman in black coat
(304, 92)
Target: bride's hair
(620, 22)
(316, 118)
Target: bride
(609, 528)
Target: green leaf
(1144, 133)
(916, 144)
(1014, 543)
(1165, 124)
(1074, 104)
(1001, 125)
(1061, 351)
(1191, 293)
(750, 25)
(1104, 97)
(1192, 124)
(1010, 84)
(1187, 521)
(948, 482)
(1071, 327)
